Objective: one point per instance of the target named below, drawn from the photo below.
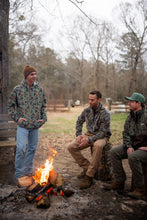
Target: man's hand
(79, 138)
(130, 150)
(41, 120)
(84, 141)
(20, 120)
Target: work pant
(89, 167)
(135, 159)
(27, 141)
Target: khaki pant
(89, 167)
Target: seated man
(98, 133)
(134, 147)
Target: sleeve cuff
(90, 140)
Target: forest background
(99, 55)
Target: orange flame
(51, 191)
(38, 198)
(61, 193)
(42, 174)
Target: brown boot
(31, 174)
(82, 174)
(114, 186)
(24, 181)
(86, 182)
(138, 193)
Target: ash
(90, 204)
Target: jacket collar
(98, 108)
(137, 114)
(24, 83)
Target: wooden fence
(58, 105)
(117, 107)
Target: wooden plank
(7, 125)
(7, 130)
(7, 143)
(5, 117)
(7, 133)
(117, 107)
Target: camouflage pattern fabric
(29, 103)
(135, 130)
(97, 123)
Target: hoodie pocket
(23, 123)
(37, 124)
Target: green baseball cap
(136, 97)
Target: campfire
(43, 173)
(46, 182)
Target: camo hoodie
(135, 130)
(29, 103)
(97, 123)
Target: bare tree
(100, 41)
(78, 44)
(134, 40)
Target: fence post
(109, 103)
(69, 105)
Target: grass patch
(65, 123)
(59, 125)
(117, 126)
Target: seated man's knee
(112, 151)
(97, 146)
(71, 146)
(132, 157)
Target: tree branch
(82, 10)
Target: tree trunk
(4, 69)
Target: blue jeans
(27, 141)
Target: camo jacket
(135, 130)
(97, 123)
(29, 103)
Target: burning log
(30, 197)
(51, 191)
(45, 177)
(56, 179)
(35, 187)
(43, 201)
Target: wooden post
(69, 105)
(109, 103)
(4, 70)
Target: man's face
(93, 101)
(134, 106)
(31, 78)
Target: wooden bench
(7, 131)
(7, 149)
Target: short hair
(97, 93)
(142, 105)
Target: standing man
(134, 147)
(98, 133)
(27, 107)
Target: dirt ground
(90, 204)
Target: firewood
(30, 197)
(68, 192)
(56, 179)
(35, 187)
(44, 202)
